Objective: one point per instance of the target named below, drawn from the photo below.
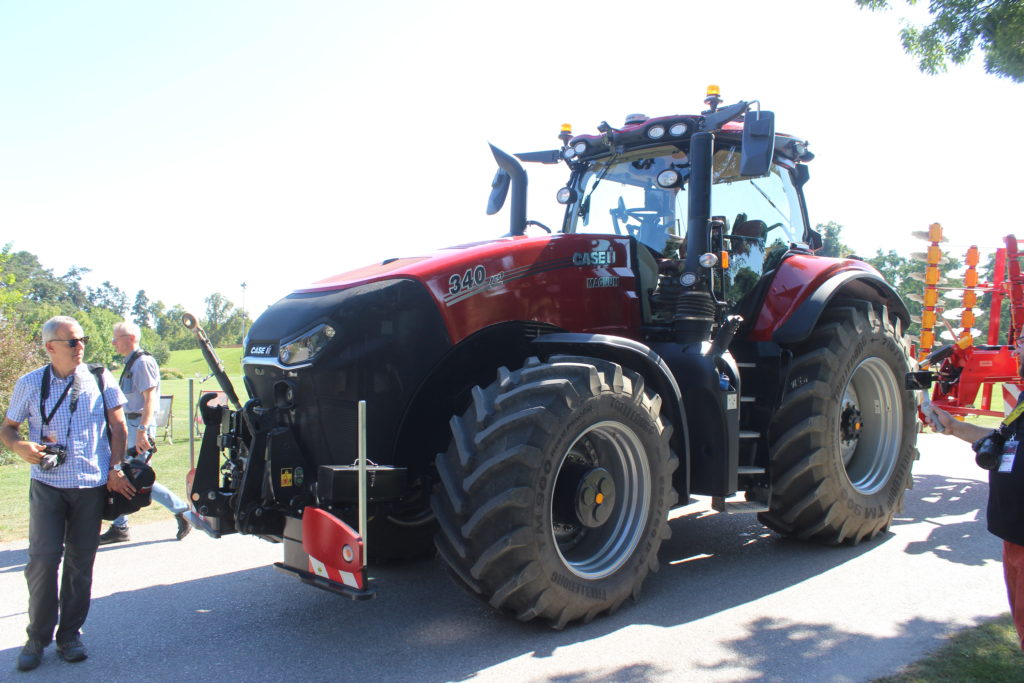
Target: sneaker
(115, 534)
(30, 656)
(183, 526)
(71, 650)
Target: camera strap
(74, 387)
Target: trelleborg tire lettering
(843, 440)
(555, 491)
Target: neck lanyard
(1008, 420)
(44, 393)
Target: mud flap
(326, 553)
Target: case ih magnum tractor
(533, 406)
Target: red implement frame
(962, 374)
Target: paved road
(732, 602)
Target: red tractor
(533, 406)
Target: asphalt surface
(732, 602)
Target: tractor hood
(416, 267)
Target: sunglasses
(72, 343)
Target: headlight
(656, 132)
(306, 347)
(566, 195)
(677, 129)
(669, 178)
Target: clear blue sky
(186, 147)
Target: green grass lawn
(988, 652)
(191, 363)
(171, 461)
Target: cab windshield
(620, 195)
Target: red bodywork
(568, 298)
(797, 278)
(550, 279)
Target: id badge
(1009, 453)
(48, 435)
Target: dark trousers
(1013, 568)
(63, 523)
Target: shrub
(171, 373)
(19, 353)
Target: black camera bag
(141, 477)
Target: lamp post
(244, 320)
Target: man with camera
(999, 451)
(75, 461)
(140, 382)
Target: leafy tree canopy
(140, 309)
(832, 244)
(995, 26)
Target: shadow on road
(260, 624)
(788, 649)
(956, 509)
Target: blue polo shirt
(82, 432)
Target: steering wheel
(641, 214)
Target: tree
(98, 325)
(832, 245)
(224, 323)
(109, 297)
(19, 353)
(153, 343)
(170, 329)
(140, 310)
(9, 292)
(39, 285)
(996, 26)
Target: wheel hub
(595, 497)
(851, 423)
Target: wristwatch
(115, 468)
(142, 428)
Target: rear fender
(650, 365)
(804, 285)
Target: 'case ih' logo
(261, 350)
(594, 258)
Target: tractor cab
(645, 194)
(713, 201)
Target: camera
(133, 452)
(54, 456)
(988, 450)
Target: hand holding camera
(988, 450)
(53, 456)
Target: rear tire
(844, 437)
(555, 491)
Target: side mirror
(814, 240)
(918, 381)
(758, 143)
(499, 190)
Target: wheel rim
(601, 499)
(870, 425)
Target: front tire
(844, 437)
(556, 489)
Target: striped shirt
(83, 433)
